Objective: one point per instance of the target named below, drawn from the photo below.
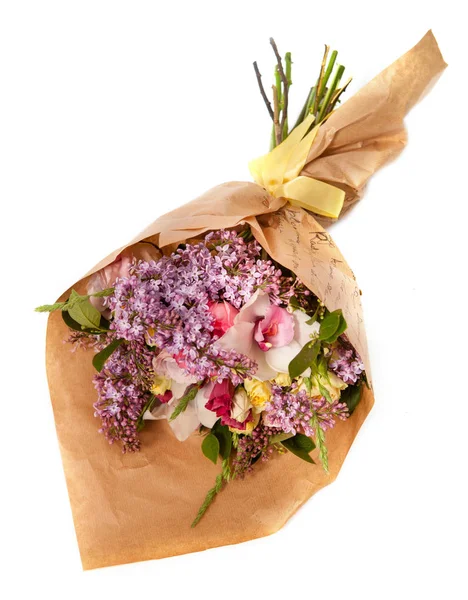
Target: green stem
(278, 86)
(288, 61)
(326, 77)
(330, 92)
(311, 101)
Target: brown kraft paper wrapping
(133, 507)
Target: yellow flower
(259, 393)
(283, 379)
(160, 385)
(334, 385)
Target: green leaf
(341, 329)
(71, 322)
(294, 304)
(303, 442)
(304, 359)
(314, 317)
(84, 313)
(210, 447)
(291, 445)
(280, 437)
(189, 395)
(329, 325)
(224, 438)
(322, 368)
(308, 383)
(101, 357)
(351, 396)
(325, 393)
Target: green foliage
(210, 447)
(314, 317)
(72, 301)
(300, 445)
(304, 359)
(352, 396)
(189, 395)
(294, 304)
(51, 307)
(225, 475)
(101, 357)
(320, 441)
(148, 406)
(280, 437)
(332, 326)
(325, 393)
(224, 438)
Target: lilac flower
(288, 411)
(123, 391)
(253, 447)
(167, 303)
(292, 411)
(346, 364)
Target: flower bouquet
(236, 320)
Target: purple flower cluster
(327, 412)
(166, 303)
(292, 411)
(122, 390)
(346, 364)
(253, 447)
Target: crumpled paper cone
(140, 506)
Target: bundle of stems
(321, 100)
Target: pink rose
(166, 397)
(221, 403)
(224, 315)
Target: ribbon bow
(278, 172)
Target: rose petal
(206, 417)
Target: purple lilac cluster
(327, 412)
(122, 390)
(289, 411)
(292, 411)
(346, 364)
(253, 447)
(165, 303)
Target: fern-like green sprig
(320, 442)
(224, 476)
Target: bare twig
(262, 91)
(276, 115)
(284, 79)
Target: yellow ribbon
(278, 172)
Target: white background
(112, 113)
